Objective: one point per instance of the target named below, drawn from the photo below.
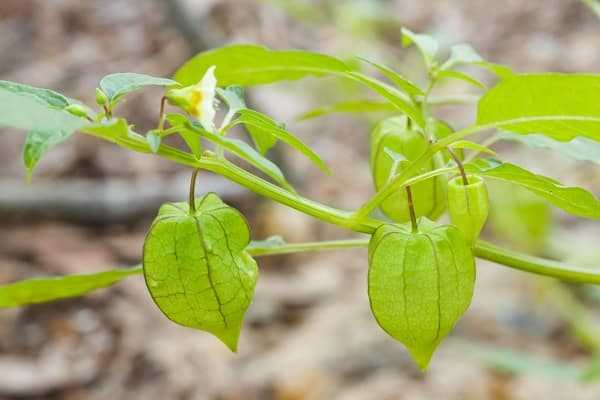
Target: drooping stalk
(411, 210)
(459, 165)
(161, 114)
(192, 196)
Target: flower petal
(206, 107)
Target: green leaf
(249, 65)
(352, 106)
(396, 158)
(262, 137)
(153, 138)
(245, 152)
(573, 200)
(264, 123)
(419, 284)
(466, 144)
(427, 45)
(175, 119)
(401, 82)
(41, 290)
(115, 86)
(234, 97)
(393, 95)
(110, 130)
(462, 77)
(190, 137)
(41, 112)
(196, 267)
(46, 97)
(579, 148)
(502, 71)
(37, 143)
(193, 142)
(519, 217)
(560, 106)
(461, 54)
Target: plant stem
(293, 200)
(460, 166)
(192, 198)
(107, 111)
(417, 164)
(411, 210)
(536, 265)
(161, 114)
(256, 250)
(392, 186)
(250, 181)
(347, 219)
(483, 250)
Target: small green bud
(101, 98)
(77, 110)
(179, 97)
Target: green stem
(398, 181)
(411, 210)
(192, 196)
(161, 114)
(313, 208)
(460, 166)
(348, 220)
(257, 185)
(483, 250)
(536, 265)
(107, 111)
(256, 250)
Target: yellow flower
(198, 100)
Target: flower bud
(101, 98)
(77, 110)
(197, 100)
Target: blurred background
(309, 333)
